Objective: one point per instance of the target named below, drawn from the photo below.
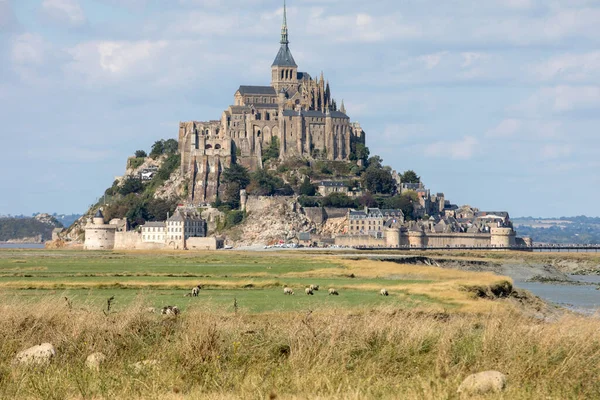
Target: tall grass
(376, 353)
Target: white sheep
(170, 310)
(196, 291)
(333, 292)
(287, 290)
(384, 292)
(314, 287)
(308, 291)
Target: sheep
(287, 290)
(196, 291)
(314, 287)
(308, 291)
(170, 310)
(384, 292)
(333, 292)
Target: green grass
(254, 280)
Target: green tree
(404, 202)
(171, 146)
(140, 154)
(307, 188)
(271, 152)
(378, 179)
(236, 173)
(158, 148)
(360, 152)
(410, 176)
(338, 200)
(131, 185)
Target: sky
(495, 103)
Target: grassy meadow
(433, 330)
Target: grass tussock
(377, 353)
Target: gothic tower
(284, 71)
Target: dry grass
(379, 353)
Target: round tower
(98, 218)
(392, 237)
(502, 237)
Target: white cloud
(463, 149)
(432, 60)
(561, 99)
(28, 49)
(569, 67)
(555, 151)
(114, 59)
(64, 10)
(506, 128)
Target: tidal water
(583, 297)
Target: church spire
(284, 28)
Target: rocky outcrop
(482, 383)
(36, 355)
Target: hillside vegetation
(39, 229)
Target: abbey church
(295, 110)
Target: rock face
(94, 360)
(36, 355)
(483, 382)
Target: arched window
(208, 146)
(217, 146)
(282, 72)
(258, 134)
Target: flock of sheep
(173, 310)
(332, 292)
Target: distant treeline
(580, 230)
(20, 228)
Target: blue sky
(496, 103)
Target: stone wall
(359, 240)
(204, 243)
(457, 239)
(315, 214)
(335, 212)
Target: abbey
(296, 111)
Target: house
(154, 232)
(372, 221)
(328, 187)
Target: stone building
(154, 232)
(328, 187)
(372, 221)
(296, 110)
(98, 235)
(183, 225)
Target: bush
(307, 201)
(338, 200)
(271, 152)
(131, 185)
(141, 154)
(307, 188)
(234, 218)
(135, 163)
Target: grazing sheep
(170, 310)
(333, 292)
(314, 287)
(287, 290)
(384, 292)
(308, 291)
(196, 291)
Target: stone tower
(284, 71)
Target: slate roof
(156, 224)
(331, 184)
(99, 214)
(284, 57)
(262, 90)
